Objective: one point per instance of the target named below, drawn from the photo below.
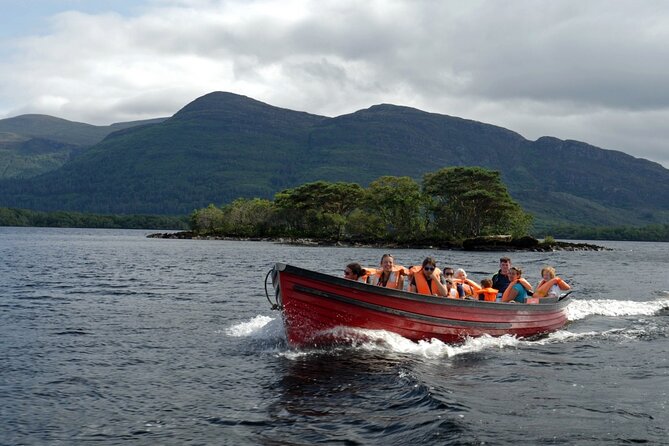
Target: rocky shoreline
(495, 243)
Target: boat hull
(315, 306)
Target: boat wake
(259, 326)
(580, 309)
(381, 340)
(266, 329)
(262, 333)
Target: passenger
(501, 279)
(354, 271)
(451, 286)
(428, 280)
(451, 289)
(390, 275)
(487, 292)
(519, 289)
(465, 286)
(550, 285)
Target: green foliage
(319, 209)
(648, 233)
(365, 226)
(399, 203)
(223, 146)
(208, 220)
(34, 144)
(60, 219)
(472, 201)
(249, 217)
(549, 239)
(390, 209)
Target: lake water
(109, 337)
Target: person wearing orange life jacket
(390, 275)
(469, 287)
(550, 285)
(354, 271)
(451, 288)
(427, 280)
(486, 292)
(519, 289)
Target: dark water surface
(112, 338)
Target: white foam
(381, 340)
(579, 309)
(253, 327)
(265, 327)
(566, 336)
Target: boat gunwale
(406, 295)
(440, 321)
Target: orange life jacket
(394, 281)
(469, 286)
(414, 269)
(522, 281)
(365, 278)
(422, 287)
(545, 286)
(488, 294)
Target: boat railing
(274, 305)
(564, 296)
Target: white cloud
(596, 71)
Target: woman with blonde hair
(550, 284)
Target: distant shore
(498, 243)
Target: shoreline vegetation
(64, 219)
(492, 243)
(454, 208)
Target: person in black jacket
(500, 280)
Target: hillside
(223, 146)
(34, 144)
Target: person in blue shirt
(516, 290)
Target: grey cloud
(596, 71)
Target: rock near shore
(527, 243)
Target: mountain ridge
(33, 144)
(223, 146)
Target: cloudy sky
(595, 71)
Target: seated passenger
(451, 289)
(486, 292)
(519, 289)
(428, 280)
(354, 271)
(550, 285)
(468, 287)
(501, 280)
(390, 275)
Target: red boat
(316, 306)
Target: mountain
(34, 144)
(223, 146)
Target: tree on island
(472, 201)
(454, 203)
(320, 208)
